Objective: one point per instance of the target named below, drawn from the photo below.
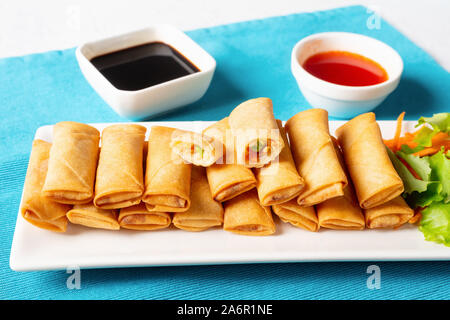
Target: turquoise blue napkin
(252, 60)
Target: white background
(28, 26)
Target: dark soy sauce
(143, 66)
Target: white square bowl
(158, 98)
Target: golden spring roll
(198, 149)
(138, 217)
(90, 216)
(342, 213)
(373, 175)
(204, 211)
(245, 215)
(37, 209)
(391, 214)
(258, 140)
(279, 181)
(315, 157)
(298, 216)
(72, 164)
(228, 179)
(120, 177)
(167, 177)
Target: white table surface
(28, 26)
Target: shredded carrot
(439, 138)
(432, 150)
(417, 216)
(439, 141)
(398, 131)
(410, 169)
(426, 152)
(408, 139)
(388, 143)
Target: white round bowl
(345, 101)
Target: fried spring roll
(37, 209)
(342, 213)
(227, 180)
(195, 148)
(391, 214)
(204, 211)
(298, 216)
(90, 216)
(138, 217)
(56, 225)
(245, 215)
(315, 157)
(167, 177)
(120, 177)
(373, 175)
(72, 164)
(258, 140)
(279, 181)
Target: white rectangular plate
(37, 249)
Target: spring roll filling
(200, 154)
(234, 190)
(118, 198)
(196, 148)
(194, 151)
(389, 220)
(165, 200)
(69, 197)
(145, 220)
(250, 228)
(258, 150)
(283, 195)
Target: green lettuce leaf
(420, 165)
(423, 138)
(423, 199)
(410, 183)
(439, 121)
(433, 191)
(440, 166)
(407, 149)
(435, 223)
